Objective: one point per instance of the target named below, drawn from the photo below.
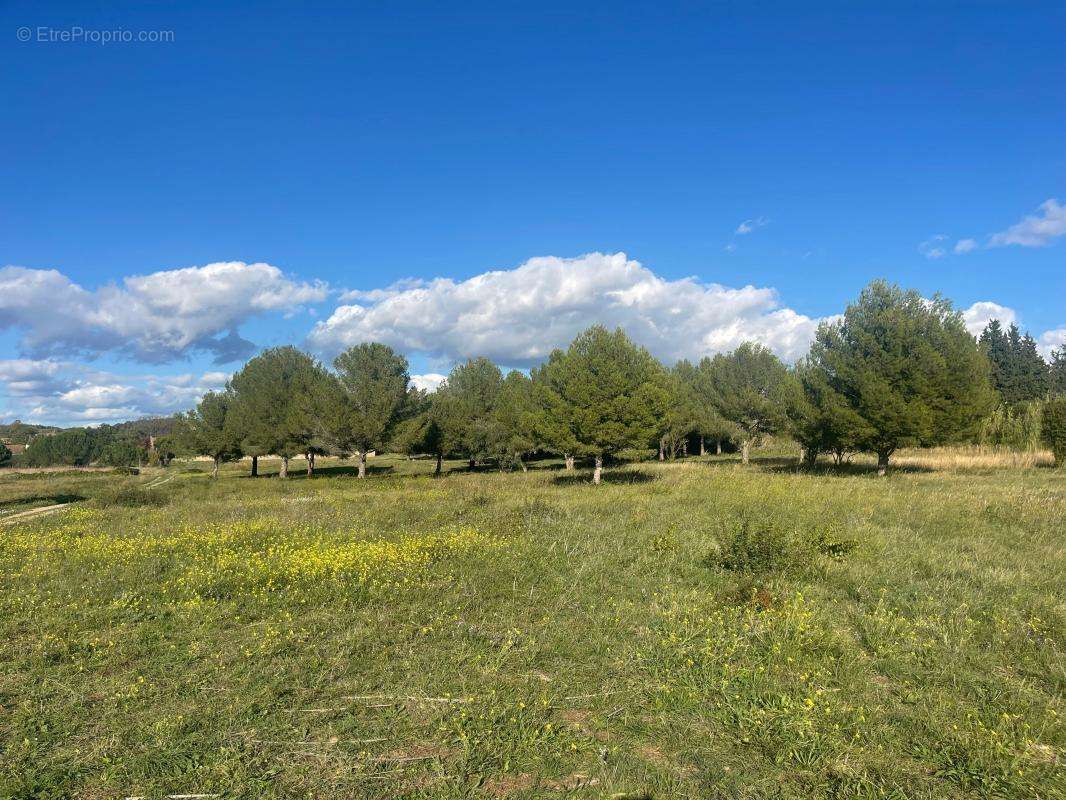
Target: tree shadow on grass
(343, 470)
(622, 477)
(840, 470)
(41, 500)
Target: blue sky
(320, 151)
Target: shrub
(770, 544)
(1054, 428)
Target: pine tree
(1057, 372)
(375, 382)
(906, 367)
(204, 431)
(552, 422)
(1017, 371)
(471, 391)
(612, 392)
(278, 399)
(1054, 428)
(747, 389)
(513, 424)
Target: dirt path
(33, 512)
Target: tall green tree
(514, 421)
(277, 402)
(204, 431)
(5, 455)
(1017, 371)
(1054, 428)
(819, 419)
(747, 386)
(374, 379)
(471, 394)
(612, 391)
(1057, 372)
(683, 411)
(906, 367)
(553, 423)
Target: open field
(684, 630)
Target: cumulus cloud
(751, 225)
(151, 318)
(1037, 230)
(67, 393)
(428, 382)
(517, 316)
(965, 246)
(981, 313)
(1051, 340)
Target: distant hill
(19, 432)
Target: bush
(769, 544)
(1054, 428)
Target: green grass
(530, 635)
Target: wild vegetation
(689, 629)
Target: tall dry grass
(972, 457)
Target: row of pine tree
(896, 370)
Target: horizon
(490, 181)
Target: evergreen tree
(748, 392)
(1017, 371)
(277, 402)
(552, 422)
(820, 420)
(471, 395)
(5, 455)
(612, 391)
(1057, 372)
(204, 431)
(683, 410)
(514, 421)
(374, 379)
(906, 367)
(1054, 428)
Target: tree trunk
(214, 470)
(473, 463)
(521, 463)
(310, 464)
(597, 472)
(569, 462)
(703, 447)
(684, 448)
(440, 458)
(718, 447)
(255, 466)
(662, 455)
(745, 451)
(284, 473)
(882, 462)
(362, 463)
(810, 457)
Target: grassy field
(684, 630)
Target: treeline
(128, 444)
(895, 371)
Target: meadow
(692, 629)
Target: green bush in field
(771, 545)
(1054, 428)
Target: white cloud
(151, 318)
(933, 247)
(1051, 340)
(965, 246)
(981, 313)
(750, 225)
(429, 382)
(517, 316)
(67, 393)
(1035, 230)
